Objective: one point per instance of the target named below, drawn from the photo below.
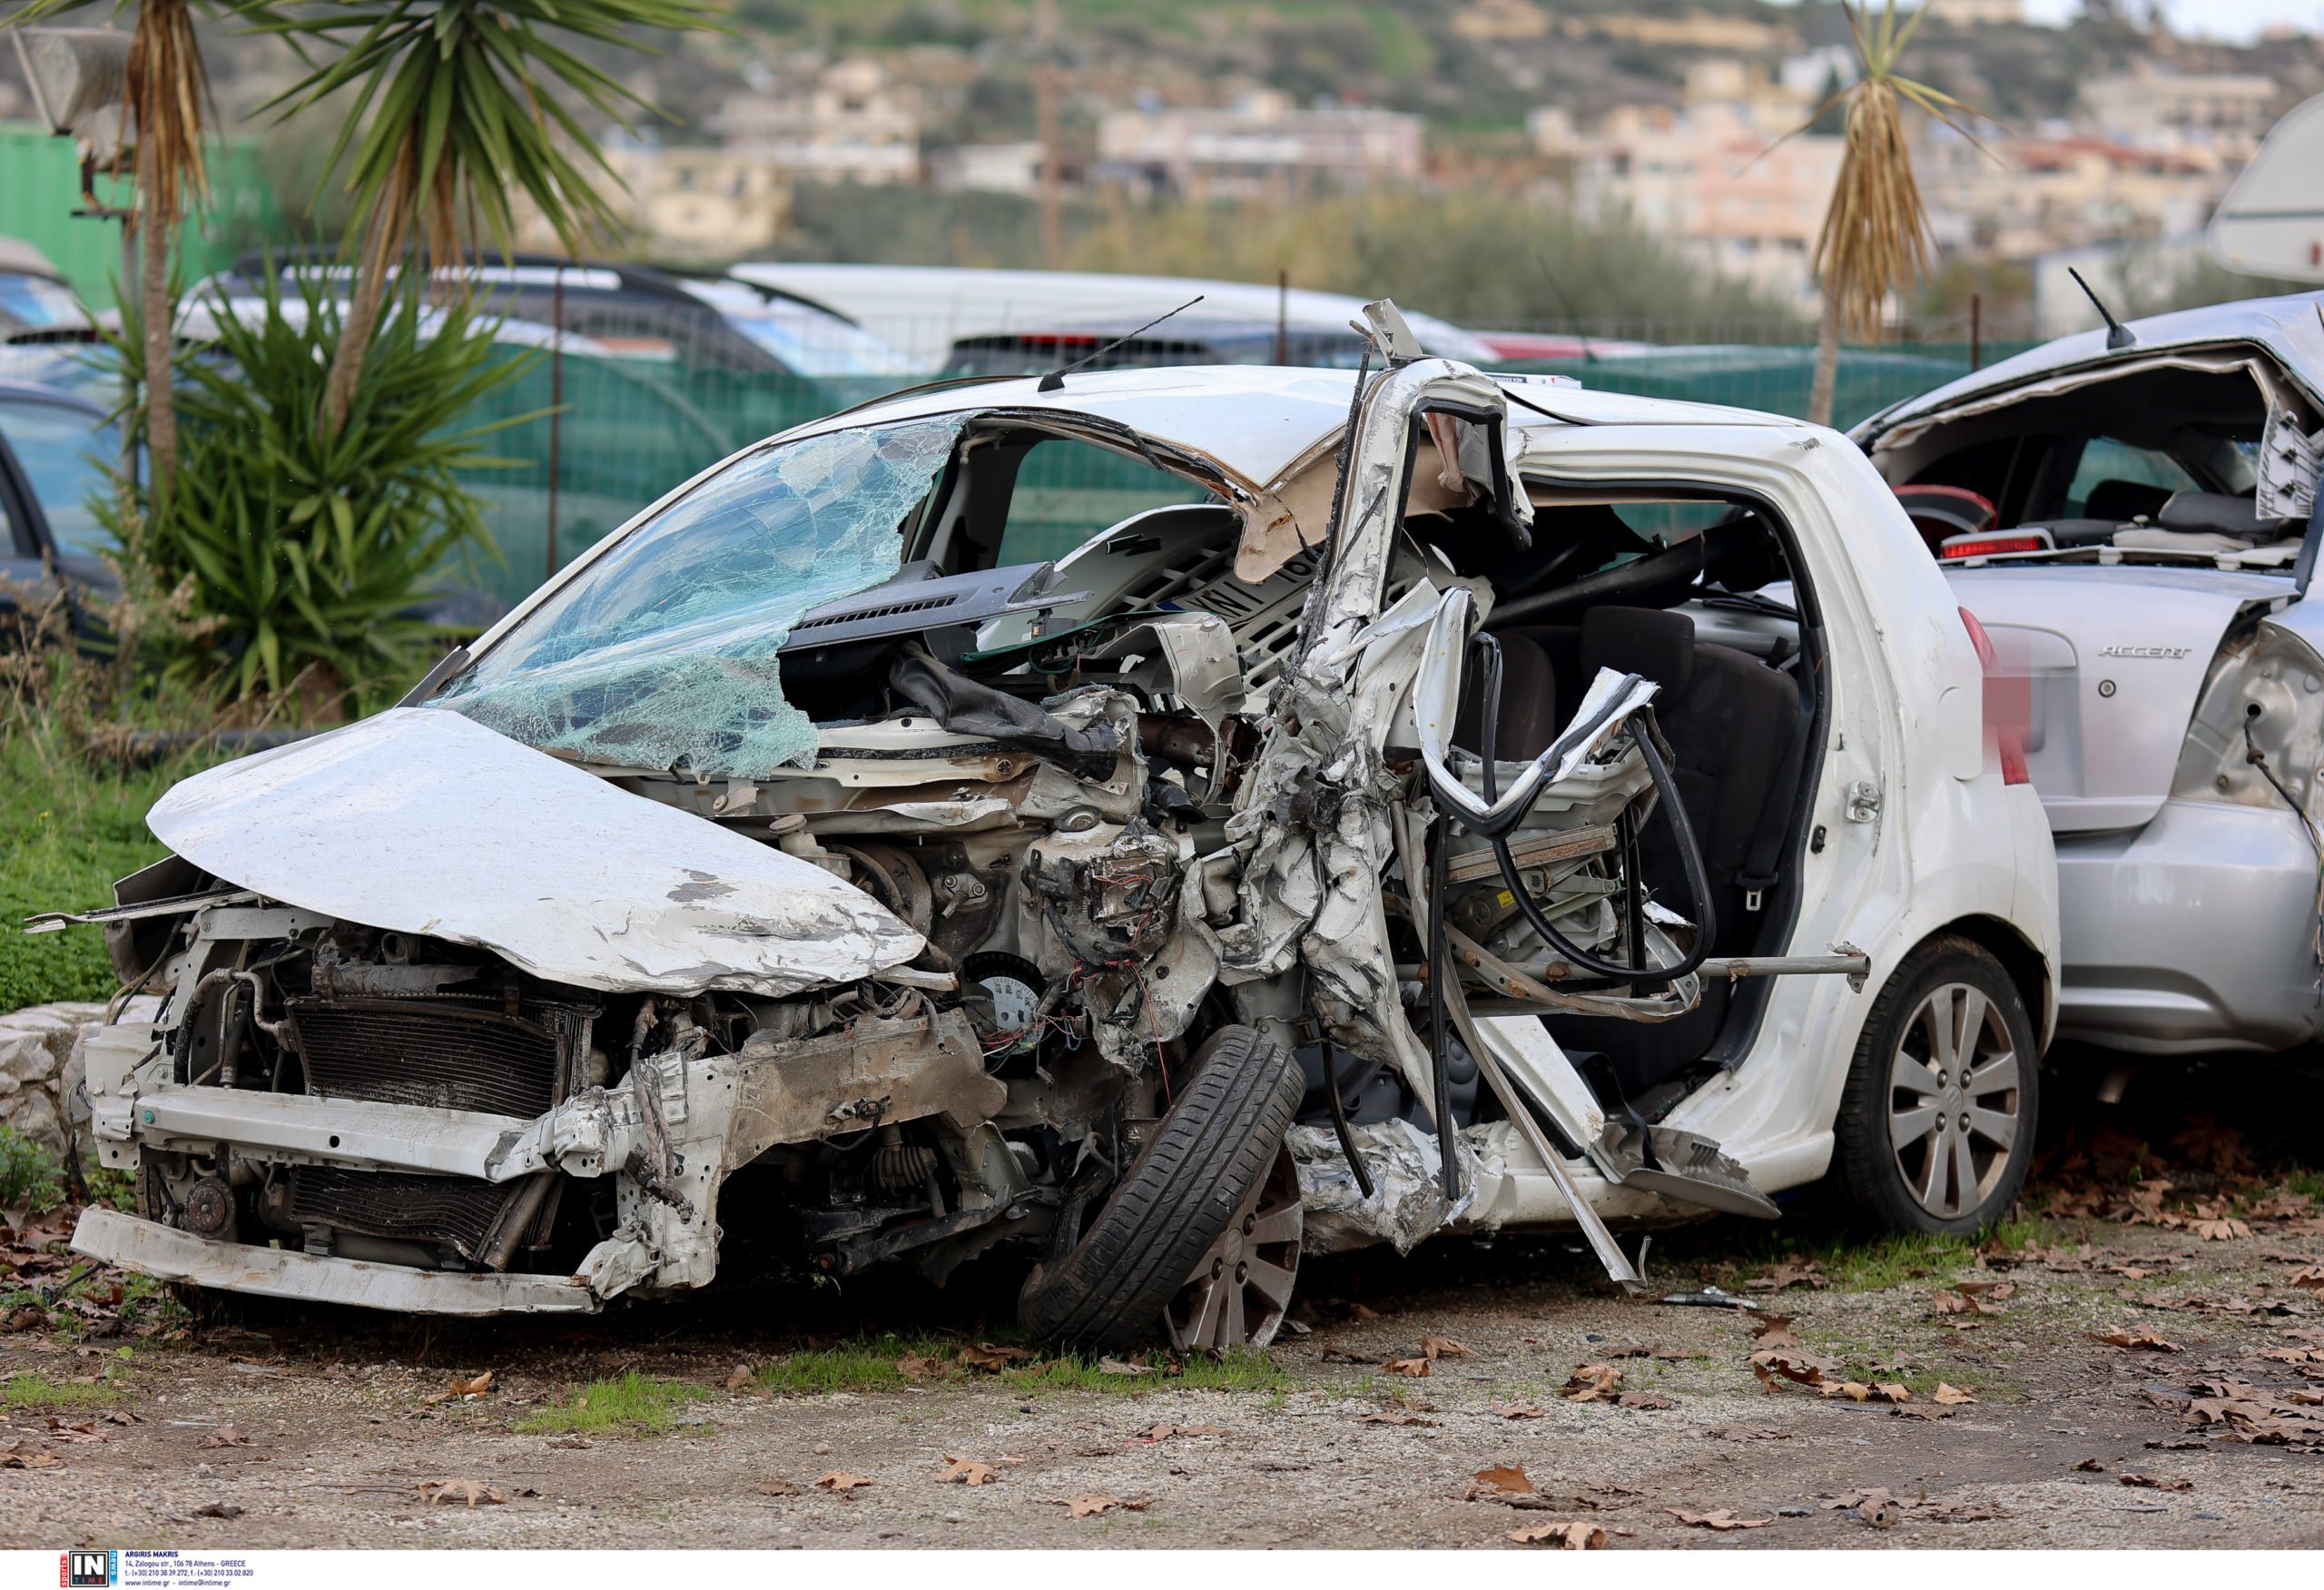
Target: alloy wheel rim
(1238, 1295)
(1954, 1100)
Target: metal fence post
(556, 410)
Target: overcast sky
(2226, 19)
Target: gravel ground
(346, 1416)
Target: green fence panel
(629, 429)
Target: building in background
(850, 122)
(2224, 114)
(685, 204)
(1715, 177)
(1259, 146)
(987, 168)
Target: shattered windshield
(661, 653)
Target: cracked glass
(661, 653)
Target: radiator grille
(392, 1204)
(445, 1054)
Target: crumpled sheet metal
(426, 822)
(1407, 1205)
(660, 653)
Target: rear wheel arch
(2028, 970)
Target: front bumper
(275, 1272)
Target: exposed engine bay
(1273, 870)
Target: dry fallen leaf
(1520, 1411)
(739, 1378)
(985, 1356)
(1503, 1477)
(1095, 1503)
(1951, 1394)
(1571, 1536)
(1791, 1366)
(2310, 1276)
(964, 1472)
(1722, 1520)
(2156, 1483)
(1648, 1399)
(16, 1456)
(2144, 1341)
(474, 1491)
(840, 1480)
(2222, 1230)
(778, 1488)
(912, 1367)
(217, 1510)
(225, 1436)
(1774, 1330)
(1415, 1368)
(1441, 1347)
(475, 1386)
(1593, 1383)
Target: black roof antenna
(1055, 380)
(2118, 335)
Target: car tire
(1203, 1162)
(1925, 1142)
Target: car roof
(35, 392)
(2290, 327)
(1255, 420)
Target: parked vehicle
(1127, 343)
(52, 445)
(2131, 514)
(35, 302)
(925, 309)
(1493, 806)
(649, 314)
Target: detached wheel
(1242, 1288)
(1107, 1285)
(1936, 1129)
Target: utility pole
(1044, 108)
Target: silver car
(2131, 514)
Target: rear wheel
(1205, 1163)
(1936, 1129)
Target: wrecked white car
(2133, 514)
(1479, 804)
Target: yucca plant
(1876, 234)
(169, 89)
(457, 108)
(300, 550)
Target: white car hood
(426, 822)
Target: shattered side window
(661, 653)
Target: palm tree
(459, 106)
(168, 90)
(1876, 234)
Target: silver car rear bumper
(2196, 932)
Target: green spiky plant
(299, 550)
(455, 109)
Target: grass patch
(873, 1363)
(2306, 1184)
(67, 832)
(1852, 1263)
(642, 1404)
(39, 1394)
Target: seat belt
(1763, 863)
